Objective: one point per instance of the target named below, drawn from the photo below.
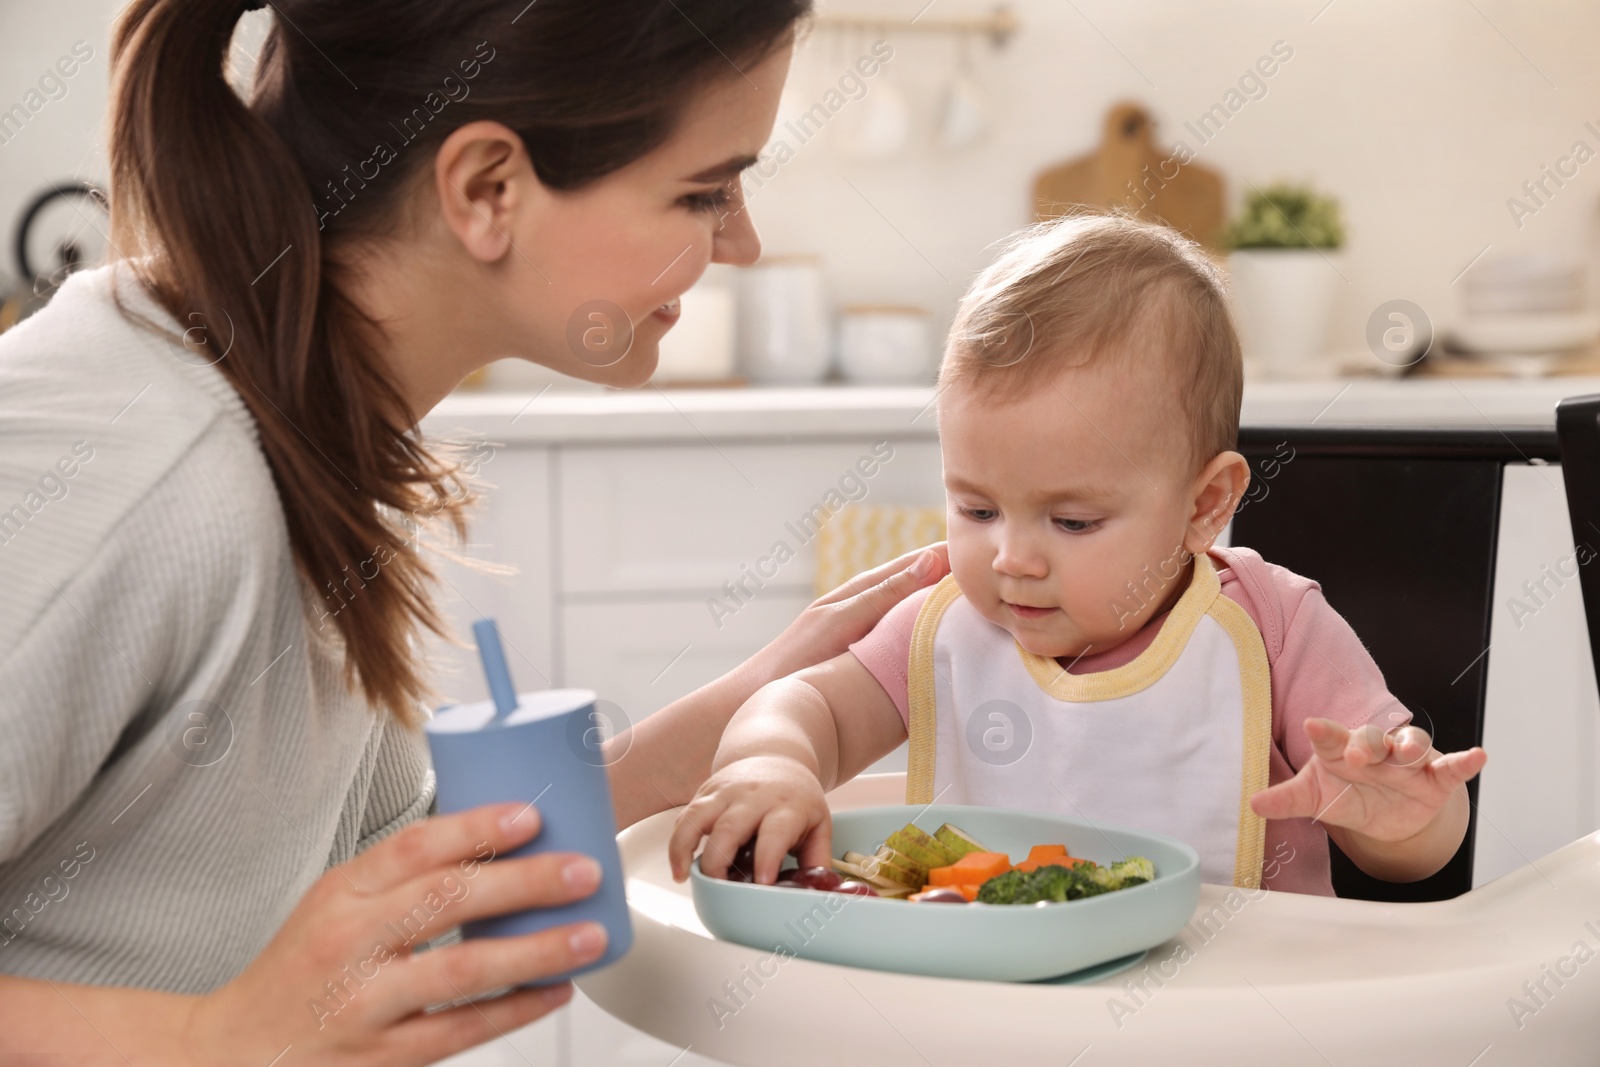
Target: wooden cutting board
(1129, 171)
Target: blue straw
(494, 668)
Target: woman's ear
(485, 182)
(1218, 488)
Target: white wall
(1424, 116)
(63, 140)
(1419, 114)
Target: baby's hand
(775, 796)
(1386, 785)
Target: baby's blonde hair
(1068, 291)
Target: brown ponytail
(228, 211)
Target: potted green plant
(1284, 276)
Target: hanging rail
(998, 26)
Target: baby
(1092, 651)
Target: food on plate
(894, 872)
(1056, 883)
(821, 878)
(921, 846)
(949, 866)
(872, 877)
(1045, 855)
(743, 867)
(957, 840)
(919, 871)
(939, 896)
(974, 868)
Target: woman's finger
(864, 610)
(430, 1038)
(427, 906)
(464, 837)
(934, 563)
(483, 964)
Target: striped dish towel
(858, 537)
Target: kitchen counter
(558, 417)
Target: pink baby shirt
(1319, 668)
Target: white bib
(1173, 742)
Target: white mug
(783, 321)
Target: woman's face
(593, 281)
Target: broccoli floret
(1067, 883)
(1003, 888)
(1124, 874)
(1133, 871)
(1050, 883)
(1060, 883)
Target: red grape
(824, 878)
(941, 896)
(857, 889)
(743, 868)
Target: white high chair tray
(1508, 974)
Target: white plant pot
(1283, 305)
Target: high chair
(1401, 528)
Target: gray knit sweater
(179, 757)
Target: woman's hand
(774, 799)
(841, 618)
(1389, 799)
(339, 983)
(663, 760)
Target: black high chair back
(1399, 526)
(1578, 426)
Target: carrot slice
(968, 890)
(982, 866)
(974, 868)
(1041, 852)
(1059, 861)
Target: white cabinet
(641, 655)
(649, 534)
(688, 517)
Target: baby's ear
(1216, 493)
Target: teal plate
(1097, 972)
(976, 941)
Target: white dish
(1544, 332)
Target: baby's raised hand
(776, 799)
(1387, 785)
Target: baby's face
(1058, 500)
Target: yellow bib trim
(1255, 678)
(1145, 669)
(920, 731)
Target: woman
(212, 742)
